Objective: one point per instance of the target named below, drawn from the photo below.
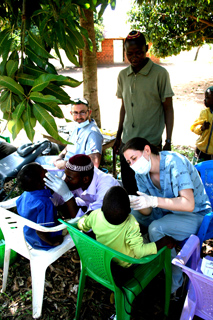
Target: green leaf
(35, 58)
(11, 67)
(42, 81)
(58, 53)
(28, 124)
(25, 79)
(39, 97)
(57, 92)
(2, 67)
(50, 68)
(45, 119)
(60, 32)
(14, 55)
(19, 124)
(36, 45)
(7, 47)
(4, 35)
(69, 82)
(4, 95)
(19, 110)
(11, 84)
(6, 105)
(76, 37)
(69, 53)
(53, 108)
(33, 70)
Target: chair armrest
(73, 222)
(192, 244)
(11, 203)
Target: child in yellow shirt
(203, 127)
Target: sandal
(75, 257)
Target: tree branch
(209, 24)
(185, 34)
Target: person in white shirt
(86, 138)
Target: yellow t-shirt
(205, 138)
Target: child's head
(30, 177)
(116, 205)
(208, 101)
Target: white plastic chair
(199, 299)
(12, 227)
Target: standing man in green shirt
(146, 107)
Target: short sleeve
(165, 89)
(119, 87)
(179, 174)
(94, 143)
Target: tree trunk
(89, 64)
(196, 55)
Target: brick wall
(106, 55)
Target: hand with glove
(143, 201)
(58, 185)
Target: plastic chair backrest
(199, 299)
(205, 170)
(97, 257)
(96, 262)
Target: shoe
(174, 296)
(112, 298)
(75, 257)
(180, 292)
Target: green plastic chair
(96, 263)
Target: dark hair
(139, 144)
(137, 37)
(29, 176)
(116, 205)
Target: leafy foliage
(172, 26)
(31, 90)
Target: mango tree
(31, 89)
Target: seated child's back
(115, 227)
(35, 204)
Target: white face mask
(82, 124)
(142, 166)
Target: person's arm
(59, 162)
(85, 223)
(184, 202)
(169, 121)
(96, 159)
(120, 128)
(69, 209)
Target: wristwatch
(168, 141)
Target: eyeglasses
(80, 101)
(81, 113)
